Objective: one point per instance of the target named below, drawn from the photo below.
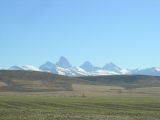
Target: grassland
(28, 95)
(79, 108)
(33, 81)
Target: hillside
(126, 81)
(32, 81)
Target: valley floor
(92, 91)
(79, 108)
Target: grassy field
(28, 95)
(79, 108)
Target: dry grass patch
(3, 84)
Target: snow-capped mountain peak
(63, 67)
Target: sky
(125, 32)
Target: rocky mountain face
(87, 66)
(112, 67)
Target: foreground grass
(79, 108)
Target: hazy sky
(126, 32)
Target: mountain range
(64, 67)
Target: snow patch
(158, 69)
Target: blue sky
(126, 32)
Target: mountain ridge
(64, 67)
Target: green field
(79, 108)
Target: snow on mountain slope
(48, 67)
(72, 71)
(63, 67)
(157, 69)
(25, 67)
(124, 71)
(148, 71)
(29, 67)
(103, 72)
(16, 68)
(79, 71)
(64, 71)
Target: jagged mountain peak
(63, 67)
(48, 67)
(87, 63)
(63, 62)
(111, 63)
(88, 66)
(112, 67)
(49, 63)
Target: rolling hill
(126, 81)
(34, 81)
